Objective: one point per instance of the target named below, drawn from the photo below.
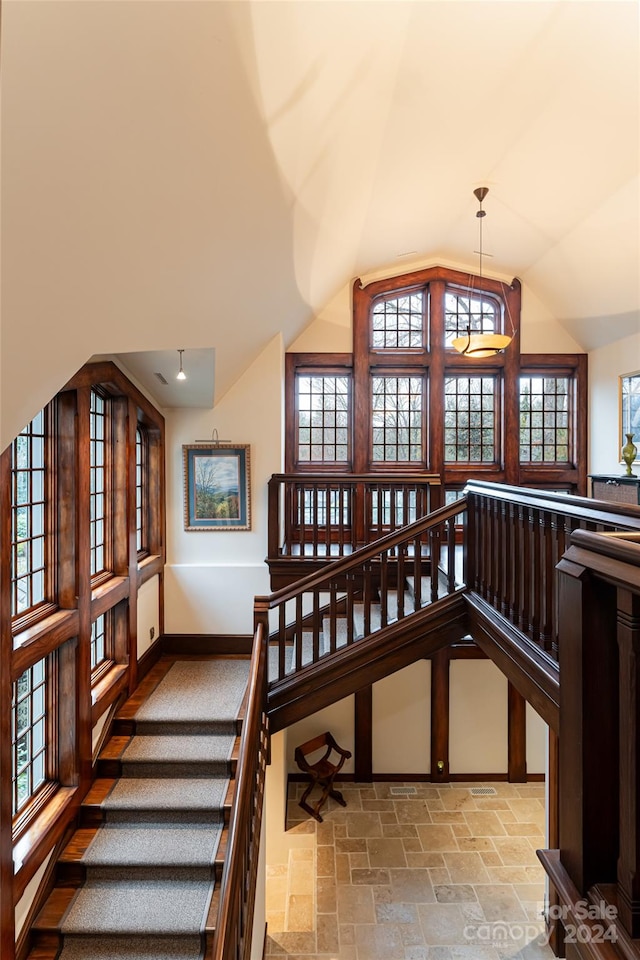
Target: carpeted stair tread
(158, 907)
(178, 749)
(165, 793)
(197, 690)
(131, 948)
(154, 844)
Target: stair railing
(515, 538)
(330, 515)
(234, 928)
(354, 596)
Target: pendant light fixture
(181, 375)
(480, 344)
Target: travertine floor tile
(437, 875)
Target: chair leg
(305, 806)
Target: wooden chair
(322, 772)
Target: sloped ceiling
(206, 174)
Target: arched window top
(398, 321)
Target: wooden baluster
(451, 555)
(315, 519)
(349, 607)
(384, 586)
(486, 550)
(505, 551)
(282, 638)
(317, 626)
(434, 553)
(333, 618)
(297, 631)
(417, 573)
(535, 599)
(548, 575)
(367, 591)
(302, 518)
(513, 563)
(400, 584)
(340, 509)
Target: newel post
(588, 750)
(629, 859)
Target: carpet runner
(150, 867)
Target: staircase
(138, 879)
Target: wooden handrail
(428, 479)
(596, 511)
(232, 938)
(343, 565)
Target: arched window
(413, 404)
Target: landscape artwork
(216, 487)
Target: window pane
(323, 404)
(544, 419)
(398, 323)
(397, 421)
(98, 641)
(97, 451)
(28, 517)
(467, 311)
(28, 734)
(469, 419)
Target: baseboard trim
(207, 643)
(148, 660)
(423, 778)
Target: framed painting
(217, 487)
(630, 406)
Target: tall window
(28, 518)
(97, 460)
(28, 734)
(545, 419)
(141, 490)
(470, 419)
(323, 411)
(419, 405)
(396, 419)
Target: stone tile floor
(438, 874)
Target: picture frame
(217, 486)
(629, 405)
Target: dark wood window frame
(60, 632)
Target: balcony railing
(318, 516)
(516, 537)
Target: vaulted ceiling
(207, 174)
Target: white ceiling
(208, 174)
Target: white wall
(537, 739)
(402, 721)
(148, 614)
(338, 719)
(606, 365)
(212, 577)
(477, 718)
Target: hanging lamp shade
(481, 344)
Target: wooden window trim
(320, 364)
(478, 466)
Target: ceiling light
(181, 375)
(480, 344)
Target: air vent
(402, 791)
(161, 379)
(483, 791)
